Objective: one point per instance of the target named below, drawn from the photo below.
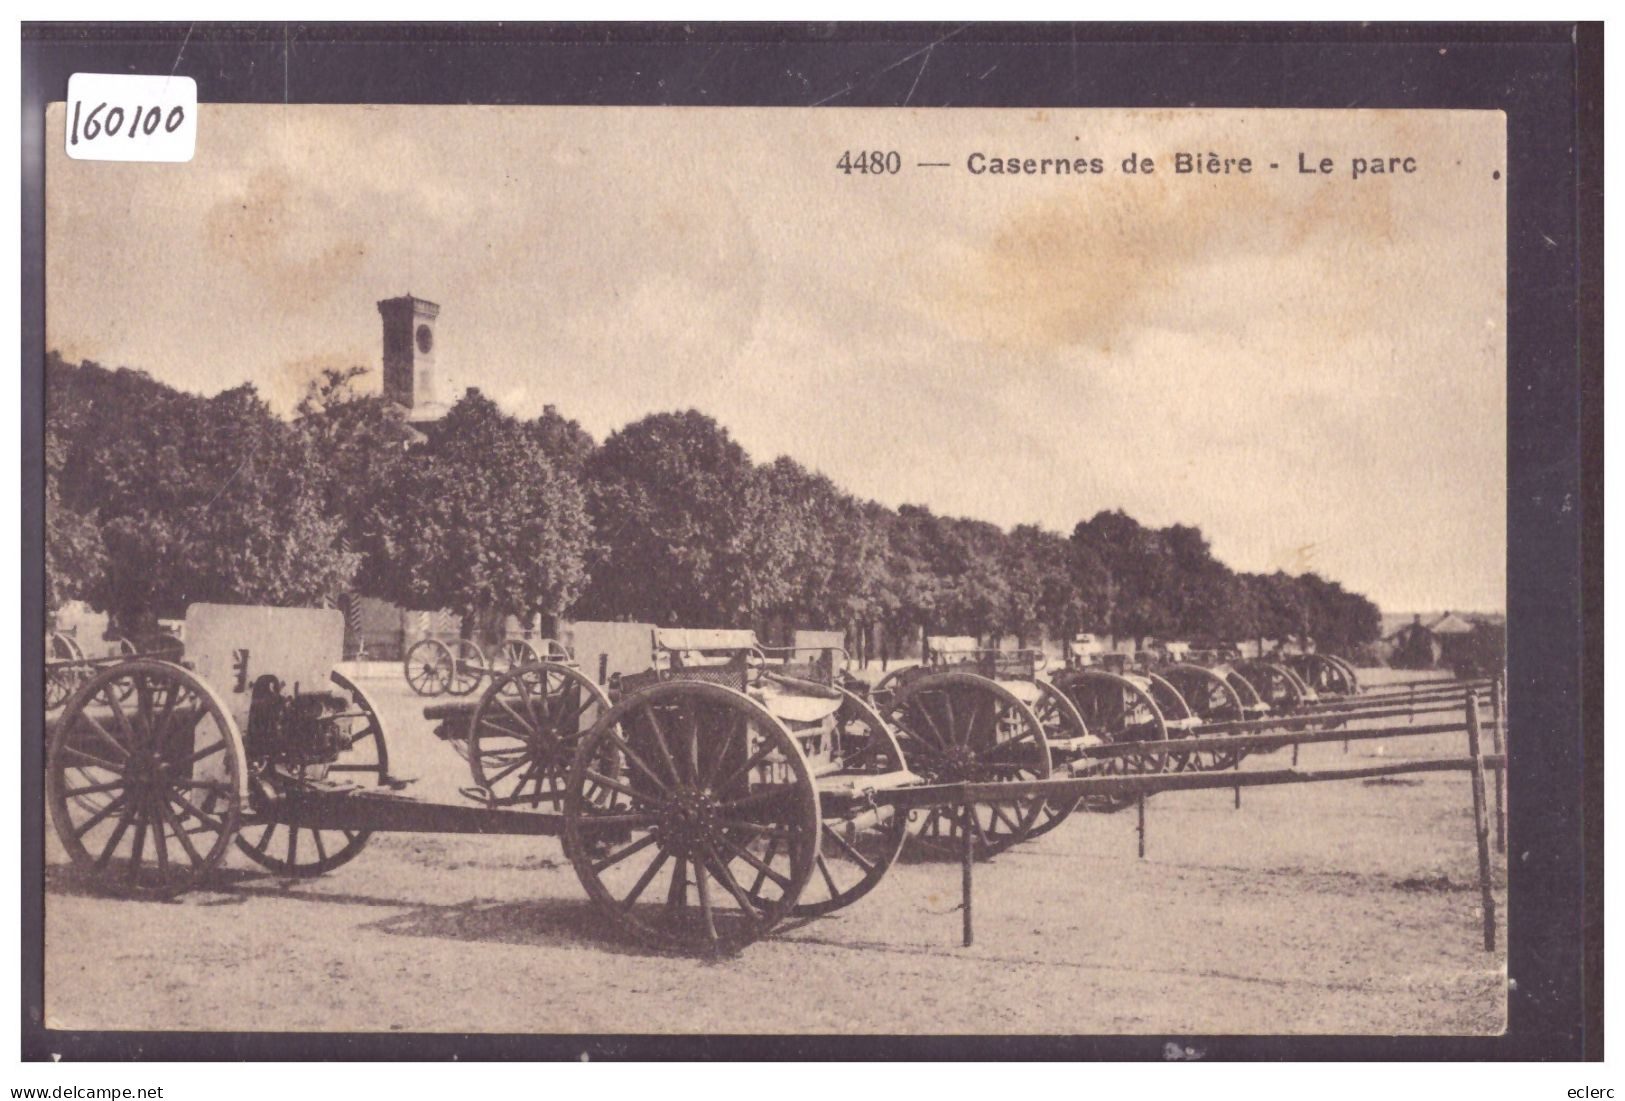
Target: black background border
(1546, 77)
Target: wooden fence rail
(1475, 763)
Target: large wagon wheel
(290, 849)
(692, 818)
(1177, 716)
(125, 650)
(428, 667)
(468, 667)
(1326, 674)
(1350, 679)
(148, 794)
(1276, 685)
(964, 728)
(61, 678)
(1213, 699)
(516, 653)
(58, 687)
(888, 685)
(1176, 713)
(1062, 721)
(525, 730)
(1119, 710)
(857, 846)
(513, 655)
(1305, 694)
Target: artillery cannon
(976, 714)
(705, 790)
(749, 778)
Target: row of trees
(157, 498)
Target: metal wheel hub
(145, 769)
(689, 819)
(961, 764)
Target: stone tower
(409, 347)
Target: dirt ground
(1347, 907)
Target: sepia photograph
(546, 570)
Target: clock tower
(409, 347)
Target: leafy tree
(1338, 620)
(1278, 609)
(480, 521)
(1138, 574)
(360, 442)
(914, 591)
(75, 560)
(1054, 587)
(196, 499)
(562, 440)
(1207, 601)
(970, 566)
(672, 500)
(833, 550)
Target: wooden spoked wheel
(125, 650)
(964, 728)
(1274, 684)
(303, 851)
(1118, 709)
(523, 736)
(147, 793)
(1181, 721)
(886, 687)
(859, 844)
(1212, 698)
(692, 818)
(61, 679)
(1252, 702)
(1061, 720)
(428, 667)
(1305, 694)
(1350, 679)
(468, 667)
(1325, 673)
(516, 653)
(1168, 700)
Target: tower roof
(409, 301)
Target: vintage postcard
(754, 571)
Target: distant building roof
(1441, 623)
(1450, 624)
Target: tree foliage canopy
(156, 498)
(479, 520)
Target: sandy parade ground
(1347, 907)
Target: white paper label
(116, 117)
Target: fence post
(1141, 803)
(1498, 740)
(1480, 825)
(1237, 768)
(967, 827)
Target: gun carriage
(67, 666)
(977, 714)
(744, 779)
(704, 792)
(1327, 674)
(445, 667)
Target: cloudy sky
(1309, 367)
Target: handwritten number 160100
(97, 124)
